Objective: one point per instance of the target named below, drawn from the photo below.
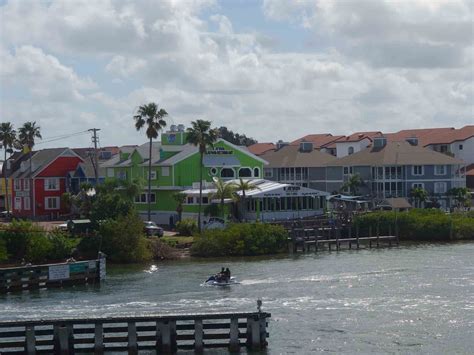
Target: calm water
(412, 299)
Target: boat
(213, 281)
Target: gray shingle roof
(291, 156)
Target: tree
(202, 136)
(419, 195)
(179, 197)
(223, 190)
(235, 138)
(461, 195)
(153, 118)
(352, 184)
(243, 186)
(26, 138)
(7, 138)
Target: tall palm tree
(152, 118)
(26, 138)
(353, 184)
(202, 136)
(223, 190)
(7, 138)
(243, 186)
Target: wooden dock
(152, 333)
(32, 277)
(329, 238)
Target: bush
(89, 246)
(38, 249)
(187, 226)
(3, 250)
(418, 224)
(62, 246)
(161, 250)
(241, 239)
(17, 236)
(123, 239)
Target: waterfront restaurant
(271, 200)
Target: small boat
(214, 281)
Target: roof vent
(412, 140)
(306, 146)
(280, 144)
(181, 128)
(380, 142)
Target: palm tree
(7, 138)
(223, 190)
(352, 184)
(179, 197)
(242, 186)
(202, 136)
(153, 118)
(419, 195)
(26, 138)
(461, 195)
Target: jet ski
(218, 281)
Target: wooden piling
(98, 338)
(30, 340)
(132, 338)
(198, 336)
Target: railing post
(132, 338)
(30, 340)
(234, 334)
(198, 336)
(164, 343)
(98, 338)
(63, 340)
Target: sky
(272, 70)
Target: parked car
(152, 229)
(6, 214)
(214, 223)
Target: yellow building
(3, 192)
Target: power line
(57, 138)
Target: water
(417, 298)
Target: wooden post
(253, 333)
(357, 235)
(165, 332)
(132, 338)
(98, 338)
(378, 240)
(234, 335)
(198, 336)
(61, 339)
(30, 340)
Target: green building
(175, 168)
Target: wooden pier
(329, 238)
(33, 277)
(160, 334)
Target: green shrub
(38, 249)
(241, 239)
(187, 226)
(17, 236)
(3, 249)
(89, 246)
(418, 224)
(123, 239)
(62, 246)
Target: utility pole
(95, 140)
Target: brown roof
(396, 153)
(291, 156)
(318, 140)
(427, 136)
(261, 148)
(358, 136)
(470, 170)
(398, 202)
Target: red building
(43, 180)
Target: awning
(220, 160)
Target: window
(461, 147)
(268, 173)
(418, 185)
(227, 173)
(213, 171)
(190, 200)
(245, 172)
(205, 200)
(26, 184)
(17, 185)
(440, 187)
(18, 203)
(256, 172)
(348, 170)
(51, 184)
(440, 170)
(165, 171)
(152, 198)
(51, 203)
(142, 198)
(26, 203)
(110, 172)
(350, 150)
(417, 170)
(121, 175)
(153, 175)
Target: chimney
(280, 144)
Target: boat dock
(163, 334)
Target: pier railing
(30, 277)
(164, 334)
